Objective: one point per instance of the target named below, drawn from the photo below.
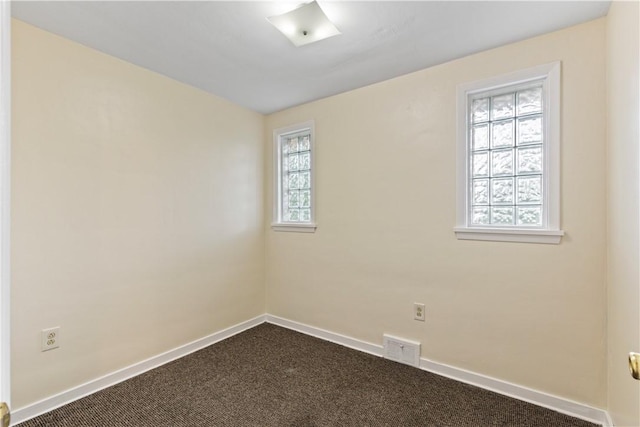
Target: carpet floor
(271, 376)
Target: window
(294, 202)
(508, 157)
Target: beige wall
(137, 213)
(525, 313)
(623, 77)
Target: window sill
(296, 227)
(552, 237)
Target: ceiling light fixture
(304, 25)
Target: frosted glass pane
(480, 216)
(502, 215)
(502, 106)
(480, 191)
(530, 160)
(502, 134)
(293, 162)
(480, 136)
(502, 162)
(305, 215)
(294, 181)
(530, 101)
(530, 215)
(305, 161)
(305, 180)
(304, 143)
(502, 191)
(480, 164)
(292, 145)
(530, 189)
(530, 130)
(305, 199)
(480, 110)
(294, 199)
(506, 154)
(293, 215)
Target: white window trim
(550, 232)
(278, 224)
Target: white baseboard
(555, 403)
(558, 404)
(609, 422)
(539, 398)
(30, 411)
(343, 340)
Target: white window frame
(278, 135)
(550, 231)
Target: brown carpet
(271, 376)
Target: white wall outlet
(418, 311)
(50, 338)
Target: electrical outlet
(418, 311)
(50, 338)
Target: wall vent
(401, 350)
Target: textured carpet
(271, 376)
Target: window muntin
(506, 137)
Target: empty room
(325, 213)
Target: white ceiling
(229, 49)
